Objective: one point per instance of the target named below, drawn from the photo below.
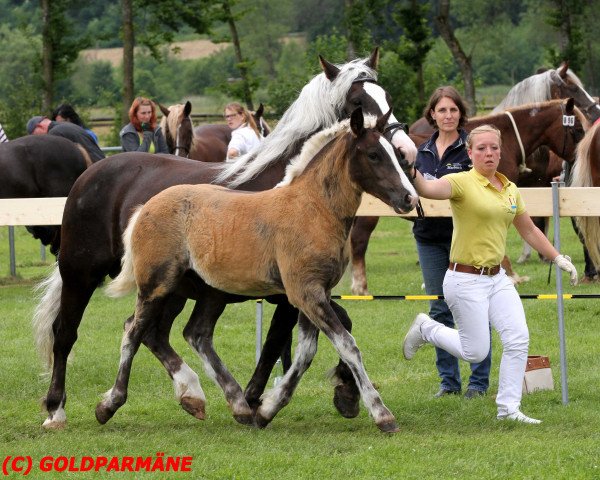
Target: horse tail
(49, 292)
(125, 281)
(86, 156)
(582, 176)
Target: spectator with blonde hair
(245, 136)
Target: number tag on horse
(568, 120)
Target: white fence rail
(582, 202)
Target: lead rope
(522, 166)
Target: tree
(60, 47)
(564, 16)
(463, 60)
(416, 42)
(128, 45)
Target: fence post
(11, 248)
(559, 296)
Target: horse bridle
(568, 122)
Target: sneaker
(414, 339)
(518, 417)
(472, 393)
(443, 392)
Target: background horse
(205, 142)
(586, 173)
(103, 199)
(41, 166)
(298, 248)
(537, 125)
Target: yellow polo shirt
(481, 215)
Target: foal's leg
(359, 238)
(277, 398)
(185, 380)
(322, 314)
(346, 396)
(199, 334)
(278, 339)
(147, 313)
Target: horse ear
(562, 71)
(260, 111)
(331, 71)
(383, 120)
(187, 109)
(373, 60)
(357, 122)
(570, 106)
(163, 109)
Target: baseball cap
(32, 123)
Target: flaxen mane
(536, 88)
(582, 176)
(319, 105)
(312, 146)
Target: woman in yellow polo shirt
(478, 291)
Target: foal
(292, 240)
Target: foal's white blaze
(187, 383)
(400, 139)
(405, 181)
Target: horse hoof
(245, 419)
(194, 406)
(260, 421)
(103, 414)
(389, 427)
(346, 401)
(50, 424)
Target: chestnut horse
(103, 199)
(206, 142)
(293, 240)
(537, 125)
(41, 166)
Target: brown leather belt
(459, 267)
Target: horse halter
(568, 122)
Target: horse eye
(373, 156)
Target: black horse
(41, 166)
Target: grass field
(439, 438)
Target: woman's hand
(564, 263)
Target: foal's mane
(319, 105)
(171, 121)
(536, 88)
(314, 144)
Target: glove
(564, 263)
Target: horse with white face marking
(293, 240)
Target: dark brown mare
(293, 240)
(537, 125)
(41, 166)
(206, 142)
(103, 199)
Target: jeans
(476, 301)
(434, 259)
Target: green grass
(444, 438)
